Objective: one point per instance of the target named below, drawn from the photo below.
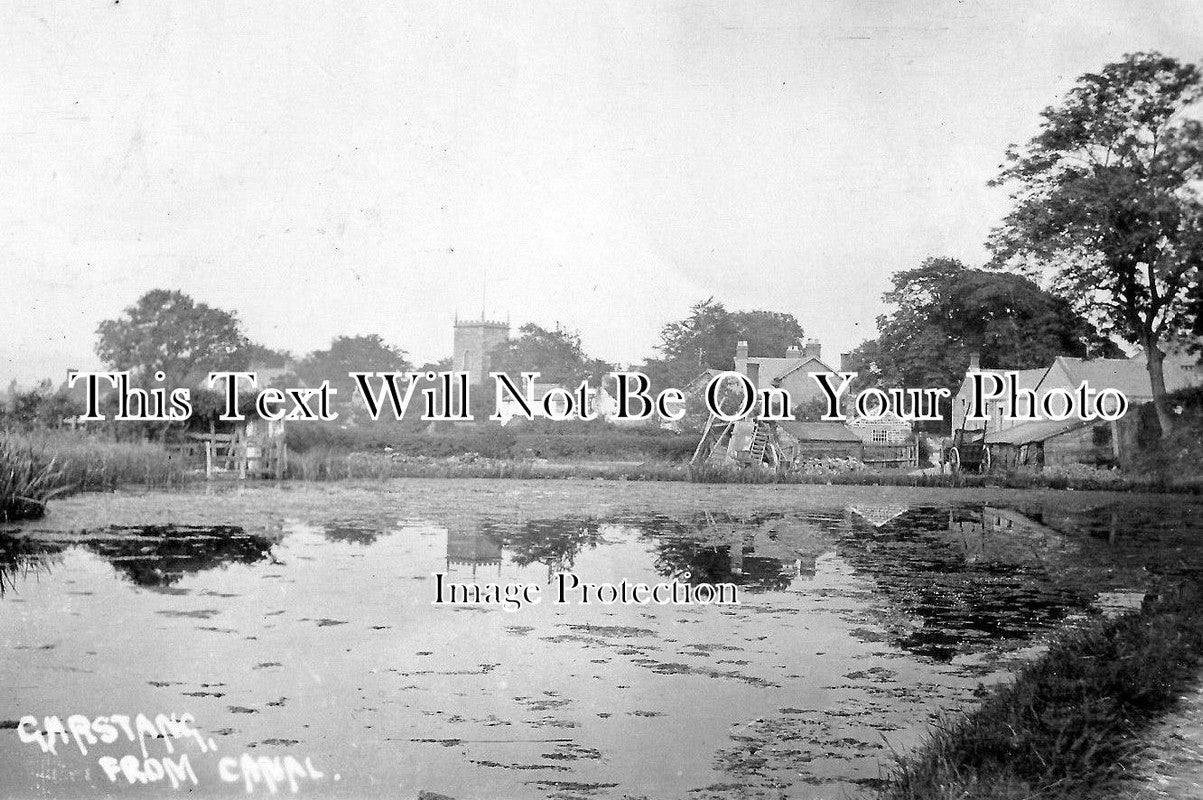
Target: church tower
(474, 340)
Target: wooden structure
(802, 440)
(251, 449)
(905, 454)
(1050, 442)
(743, 443)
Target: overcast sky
(345, 168)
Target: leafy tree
(768, 333)
(259, 354)
(40, 406)
(706, 339)
(557, 355)
(348, 354)
(944, 311)
(1107, 201)
(169, 331)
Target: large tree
(347, 354)
(706, 339)
(557, 355)
(1107, 202)
(168, 331)
(945, 311)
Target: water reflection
(951, 581)
(150, 556)
(351, 531)
(761, 553)
(473, 547)
(857, 622)
(22, 558)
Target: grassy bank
(1069, 726)
(325, 464)
(37, 465)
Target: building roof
(701, 381)
(1024, 378)
(1128, 375)
(1035, 431)
(772, 369)
(819, 431)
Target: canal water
(294, 636)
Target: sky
(329, 169)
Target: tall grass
(28, 478)
(37, 466)
(1070, 725)
(89, 463)
(330, 464)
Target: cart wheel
(985, 460)
(954, 460)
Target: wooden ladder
(760, 442)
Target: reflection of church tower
(474, 340)
(472, 547)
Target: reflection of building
(472, 547)
(775, 551)
(878, 515)
(985, 532)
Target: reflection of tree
(1161, 540)
(703, 562)
(160, 555)
(21, 557)
(759, 552)
(350, 531)
(555, 543)
(962, 580)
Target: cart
(968, 451)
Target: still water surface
(293, 626)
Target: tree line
(1101, 247)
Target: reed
(28, 479)
(40, 465)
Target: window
(879, 436)
(1101, 434)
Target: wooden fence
(892, 455)
(233, 455)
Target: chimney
(753, 373)
(794, 352)
(812, 349)
(845, 358)
(741, 349)
(975, 361)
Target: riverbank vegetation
(1069, 725)
(37, 466)
(27, 480)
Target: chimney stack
(812, 349)
(794, 352)
(845, 358)
(753, 373)
(741, 349)
(975, 361)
